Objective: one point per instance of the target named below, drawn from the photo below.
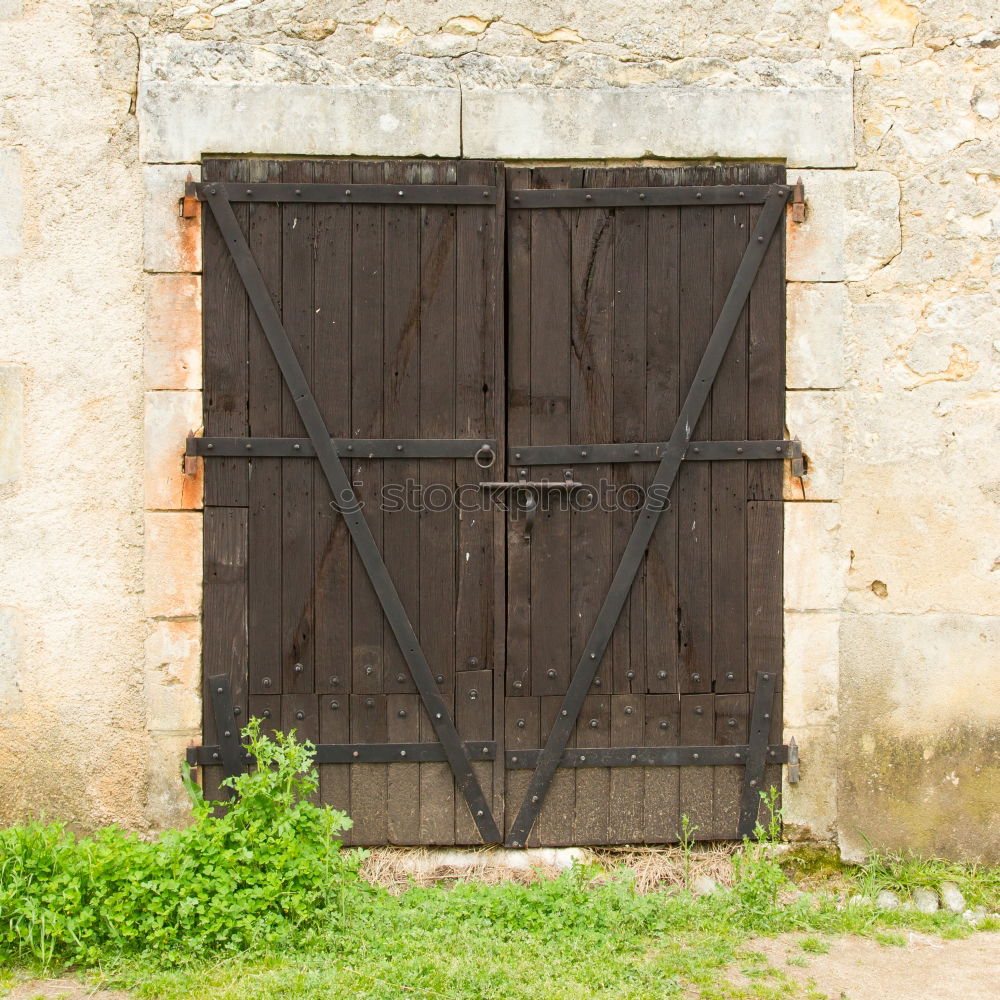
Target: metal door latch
(527, 493)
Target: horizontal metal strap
(641, 197)
(267, 447)
(363, 753)
(697, 451)
(647, 757)
(350, 194)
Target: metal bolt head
(731, 723)
(473, 661)
(582, 758)
(698, 710)
(296, 447)
(696, 677)
(753, 782)
(664, 724)
(266, 713)
(550, 673)
(534, 798)
(369, 702)
(594, 723)
(518, 685)
(520, 723)
(334, 705)
(629, 709)
(334, 681)
(486, 749)
(695, 756)
(401, 713)
(439, 678)
(369, 670)
(218, 690)
(473, 694)
(730, 677)
(300, 716)
(632, 756)
(513, 760)
(402, 753)
(215, 756)
(564, 712)
(737, 755)
(661, 674)
(266, 682)
(355, 754)
(630, 675)
(227, 734)
(298, 668)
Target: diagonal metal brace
(655, 503)
(753, 775)
(347, 503)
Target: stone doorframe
(851, 228)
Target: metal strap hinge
(799, 202)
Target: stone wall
(889, 111)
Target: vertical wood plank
(519, 255)
(521, 732)
(551, 558)
(591, 817)
(297, 312)
(627, 784)
(693, 490)
(401, 393)
(331, 381)
(731, 728)
(225, 311)
(369, 788)
(367, 413)
(335, 779)
(729, 423)
(591, 391)
(696, 783)
(662, 406)
(265, 392)
(555, 822)
(661, 801)
(474, 719)
(437, 525)
(629, 366)
(403, 779)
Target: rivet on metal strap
(355, 754)
(402, 753)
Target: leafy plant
(265, 868)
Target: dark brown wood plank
(591, 391)
(367, 416)
(521, 732)
(551, 281)
(729, 423)
(693, 490)
(224, 636)
(591, 819)
(297, 579)
(225, 310)
(474, 719)
(661, 819)
(662, 406)
(766, 355)
(300, 712)
(476, 262)
(401, 395)
(335, 779)
(696, 783)
(627, 784)
(403, 780)
(369, 788)
(731, 728)
(331, 381)
(555, 822)
(629, 365)
(519, 611)
(765, 566)
(437, 526)
(265, 391)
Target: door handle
(528, 492)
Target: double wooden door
(493, 489)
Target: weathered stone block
(172, 356)
(9, 9)
(817, 315)
(12, 203)
(816, 562)
(170, 243)
(874, 25)
(170, 707)
(809, 807)
(173, 655)
(816, 419)
(919, 734)
(11, 423)
(169, 418)
(812, 668)
(807, 127)
(851, 227)
(181, 121)
(11, 700)
(173, 565)
(167, 805)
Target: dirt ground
(925, 968)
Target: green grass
(260, 903)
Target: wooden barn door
(519, 579)
(646, 334)
(363, 303)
